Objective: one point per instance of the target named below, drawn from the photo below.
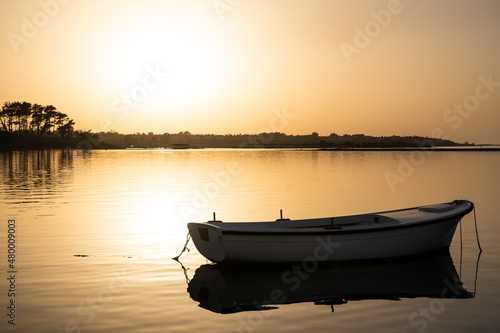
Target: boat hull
(331, 247)
(219, 245)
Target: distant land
(268, 140)
(186, 140)
(24, 125)
(15, 141)
(183, 140)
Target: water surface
(96, 232)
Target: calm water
(95, 232)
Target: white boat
(380, 235)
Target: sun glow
(185, 55)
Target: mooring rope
(188, 237)
(477, 235)
(460, 273)
(479, 254)
(477, 269)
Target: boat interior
(339, 222)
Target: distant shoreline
(106, 147)
(458, 148)
(15, 142)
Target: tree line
(27, 118)
(268, 140)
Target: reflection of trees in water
(34, 170)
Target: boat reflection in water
(234, 288)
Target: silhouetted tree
(5, 118)
(49, 118)
(24, 114)
(65, 125)
(10, 115)
(34, 118)
(15, 111)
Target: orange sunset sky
(378, 67)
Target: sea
(87, 240)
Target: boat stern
(207, 238)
